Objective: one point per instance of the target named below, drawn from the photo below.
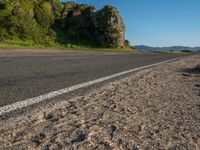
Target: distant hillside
(175, 48)
(47, 22)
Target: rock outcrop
(48, 22)
(103, 28)
(110, 27)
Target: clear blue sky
(158, 22)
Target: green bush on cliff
(43, 15)
(16, 19)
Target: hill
(175, 48)
(50, 22)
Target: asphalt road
(27, 75)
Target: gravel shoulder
(157, 108)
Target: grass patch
(20, 44)
(174, 51)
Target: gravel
(157, 108)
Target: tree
(127, 43)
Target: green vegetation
(27, 20)
(31, 45)
(50, 23)
(54, 46)
(175, 51)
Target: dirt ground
(157, 108)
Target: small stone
(52, 117)
(135, 147)
(197, 85)
(113, 106)
(136, 128)
(79, 138)
(113, 129)
(39, 138)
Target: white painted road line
(35, 100)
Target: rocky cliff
(103, 28)
(50, 21)
(110, 28)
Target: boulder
(110, 29)
(103, 28)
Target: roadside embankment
(157, 108)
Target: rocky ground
(157, 108)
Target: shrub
(44, 15)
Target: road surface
(27, 75)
